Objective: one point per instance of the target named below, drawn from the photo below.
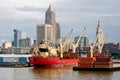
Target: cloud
(102, 15)
(30, 8)
(11, 9)
(69, 13)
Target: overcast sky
(24, 15)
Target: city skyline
(25, 15)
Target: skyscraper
(44, 33)
(27, 42)
(17, 36)
(58, 31)
(50, 19)
(50, 31)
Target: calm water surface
(55, 73)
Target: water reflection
(66, 73)
(95, 75)
(54, 73)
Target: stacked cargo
(97, 55)
(70, 55)
(86, 62)
(103, 62)
(97, 61)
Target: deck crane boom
(67, 38)
(101, 45)
(92, 46)
(76, 44)
(65, 42)
(99, 40)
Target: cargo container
(85, 65)
(10, 60)
(22, 59)
(86, 59)
(1, 59)
(103, 62)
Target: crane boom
(92, 46)
(80, 36)
(66, 41)
(76, 44)
(101, 45)
(67, 37)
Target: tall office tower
(58, 31)
(44, 33)
(99, 32)
(50, 19)
(26, 42)
(17, 36)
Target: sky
(24, 15)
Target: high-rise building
(26, 42)
(17, 36)
(7, 44)
(51, 20)
(58, 31)
(44, 33)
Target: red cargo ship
(96, 59)
(46, 56)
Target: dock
(96, 69)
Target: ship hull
(50, 61)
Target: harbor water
(55, 73)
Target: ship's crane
(92, 46)
(100, 47)
(77, 43)
(63, 44)
(99, 40)
(66, 41)
(95, 44)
